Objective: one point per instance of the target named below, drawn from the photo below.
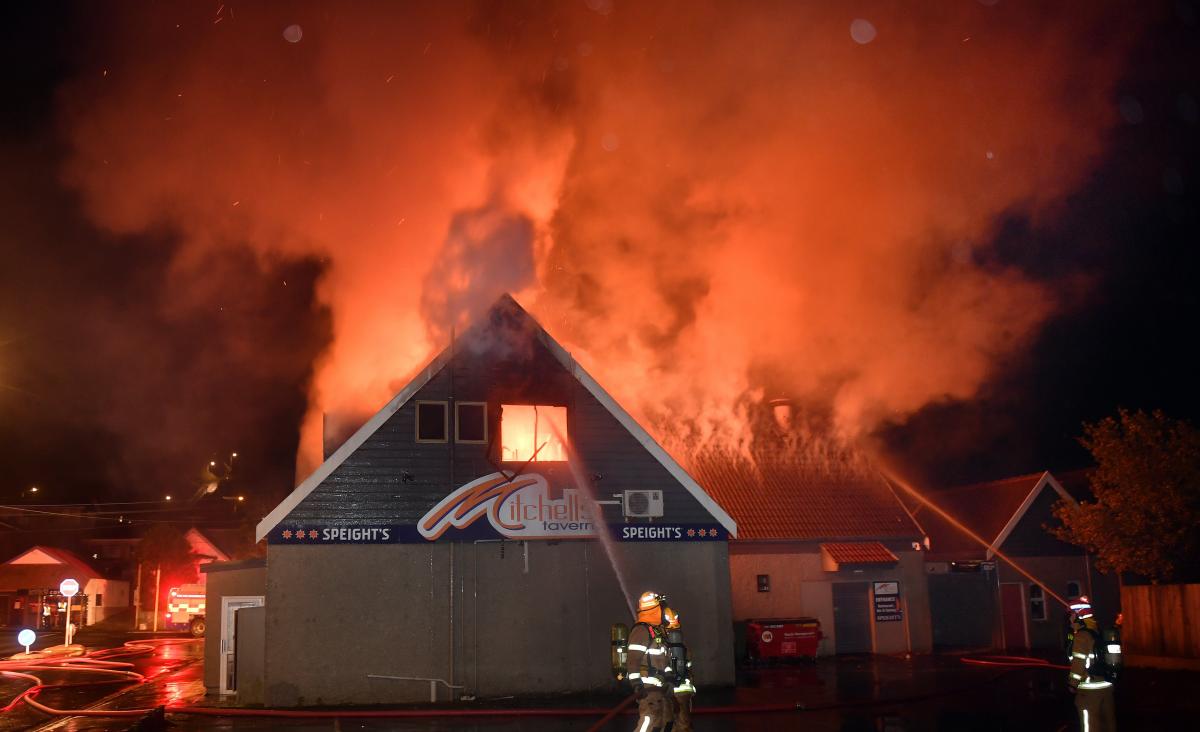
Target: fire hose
(1012, 662)
(96, 662)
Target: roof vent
(782, 409)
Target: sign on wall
(498, 506)
(887, 602)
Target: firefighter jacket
(646, 661)
(1084, 660)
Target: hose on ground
(95, 663)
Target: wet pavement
(847, 694)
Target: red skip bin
(783, 638)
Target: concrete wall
(800, 587)
(487, 616)
(248, 578)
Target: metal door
(963, 605)
(228, 630)
(1012, 610)
(851, 617)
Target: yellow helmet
(670, 619)
(650, 608)
(649, 601)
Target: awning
(837, 554)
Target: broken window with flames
(526, 429)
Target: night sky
(112, 387)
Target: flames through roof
(788, 500)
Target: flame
(706, 213)
(526, 429)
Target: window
(470, 422)
(535, 432)
(99, 599)
(764, 583)
(1037, 603)
(1073, 589)
(431, 422)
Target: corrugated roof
(859, 552)
(786, 500)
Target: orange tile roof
(860, 552)
(787, 500)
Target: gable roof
(204, 547)
(43, 567)
(788, 500)
(506, 302)
(992, 510)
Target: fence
(1161, 620)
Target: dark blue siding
(371, 487)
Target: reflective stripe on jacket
(1083, 656)
(647, 659)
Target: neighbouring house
(811, 542)
(29, 590)
(114, 553)
(449, 548)
(980, 600)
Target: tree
(165, 546)
(1145, 518)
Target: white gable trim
(1062, 492)
(272, 519)
(36, 555)
(639, 433)
(1042, 483)
(197, 540)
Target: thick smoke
(723, 202)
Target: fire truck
(185, 608)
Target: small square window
(764, 583)
(432, 421)
(1037, 603)
(534, 433)
(470, 422)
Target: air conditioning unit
(643, 504)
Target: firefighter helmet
(649, 601)
(1081, 609)
(650, 608)
(670, 619)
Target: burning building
(480, 534)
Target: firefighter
(646, 664)
(1090, 675)
(679, 667)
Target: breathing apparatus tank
(1112, 652)
(619, 636)
(677, 653)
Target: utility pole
(157, 578)
(137, 597)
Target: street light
(168, 498)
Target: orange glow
(815, 213)
(524, 429)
